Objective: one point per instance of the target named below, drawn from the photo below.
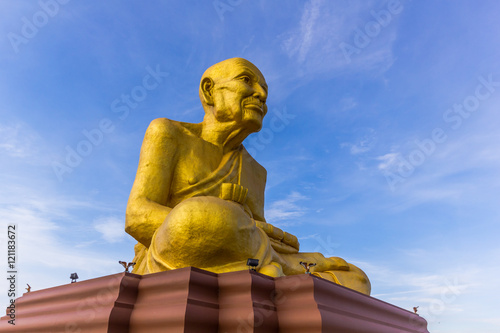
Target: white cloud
(39, 243)
(437, 294)
(457, 171)
(17, 140)
(356, 149)
(389, 161)
(309, 17)
(45, 258)
(347, 103)
(441, 284)
(111, 229)
(364, 144)
(324, 26)
(313, 236)
(286, 209)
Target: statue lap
(209, 233)
(219, 236)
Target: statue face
(239, 94)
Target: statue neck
(228, 136)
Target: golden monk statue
(198, 196)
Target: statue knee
(204, 231)
(355, 279)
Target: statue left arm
(147, 206)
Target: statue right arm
(147, 205)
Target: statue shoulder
(164, 128)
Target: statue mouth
(255, 107)
(254, 103)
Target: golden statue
(198, 196)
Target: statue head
(234, 90)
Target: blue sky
(381, 141)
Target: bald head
(226, 70)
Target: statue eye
(246, 79)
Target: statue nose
(260, 93)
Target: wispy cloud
(442, 293)
(363, 145)
(323, 26)
(301, 43)
(39, 243)
(313, 236)
(437, 294)
(388, 161)
(347, 103)
(286, 209)
(18, 140)
(457, 170)
(111, 229)
(48, 249)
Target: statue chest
(203, 173)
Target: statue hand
(283, 242)
(234, 192)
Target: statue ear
(207, 85)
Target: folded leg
(208, 233)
